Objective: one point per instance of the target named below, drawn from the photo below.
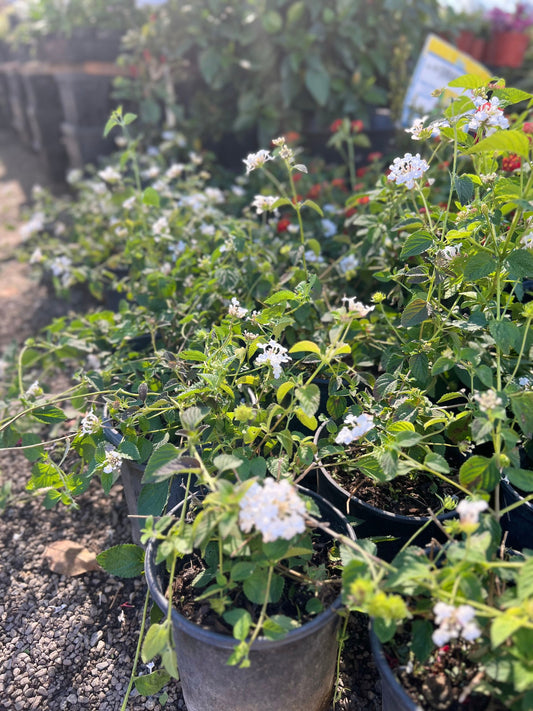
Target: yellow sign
(438, 64)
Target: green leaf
(283, 389)
(110, 124)
(32, 454)
(508, 141)
(49, 414)
(241, 570)
(503, 627)
(479, 473)
(165, 461)
(416, 312)
(522, 407)
(226, 462)
(417, 243)
(465, 189)
(241, 622)
(281, 296)
(441, 365)
(255, 586)
(152, 500)
(129, 449)
(129, 118)
(520, 263)
(272, 22)
(506, 335)
(307, 421)
(155, 642)
(150, 684)
(520, 478)
(317, 83)
(305, 347)
(478, 266)
(124, 561)
(437, 462)
(408, 439)
(309, 398)
(313, 205)
(150, 197)
(422, 644)
(467, 81)
(525, 581)
(419, 365)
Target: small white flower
(450, 252)
(34, 390)
(488, 400)
(215, 195)
(74, 176)
(527, 240)
(407, 169)
(37, 256)
(121, 232)
(357, 307)
(525, 382)
(454, 622)
(93, 362)
(35, 224)
(176, 249)
(329, 227)
(151, 173)
(160, 226)
(257, 160)
(274, 509)
(275, 354)
(129, 204)
(469, 510)
(311, 257)
(238, 191)
(109, 174)
(152, 151)
(235, 309)
(174, 171)
(354, 428)
(90, 424)
(207, 230)
(417, 128)
(113, 461)
(348, 263)
(263, 203)
(195, 158)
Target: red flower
(334, 127)
(292, 136)
(350, 211)
(361, 171)
(296, 177)
(133, 70)
(528, 127)
(511, 162)
(283, 224)
(296, 199)
(314, 191)
(357, 126)
(147, 55)
(363, 200)
(376, 155)
(338, 183)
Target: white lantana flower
(349, 263)
(354, 428)
(488, 400)
(357, 307)
(329, 227)
(257, 160)
(113, 461)
(90, 424)
(129, 204)
(109, 174)
(454, 622)
(417, 128)
(174, 171)
(450, 252)
(35, 224)
(274, 509)
(235, 309)
(263, 203)
(160, 226)
(527, 240)
(525, 382)
(469, 510)
(404, 171)
(275, 354)
(488, 116)
(34, 390)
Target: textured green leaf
(478, 266)
(151, 197)
(465, 189)
(49, 414)
(479, 473)
(467, 81)
(317, 82)
(155, 642)
(124, 561)
(503, 142)
(522, 406)
(417, 243)
(150, 684)
(416, 312)
(255, 586)
(309, 398)
(520, 263)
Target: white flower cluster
(90, 424)
(450, 252)
(404, 171)
(61, 268)
(349, 263)
(417, 128)
(329, 227)
(357, 307)
(263, 203)
(35, 224)
(109, 174)
(469, 510)
(113, 461)
(488, 400)
(454, 622)
(257, 160)
(354, 428)
(275, 354)
(235, 309)
(34, 390)
(488, 116)
(274, 509)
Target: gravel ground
(68, 642)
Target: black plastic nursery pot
(517, 523)
(372, 522)
(295, 673)
(393, 695)
(147, 499)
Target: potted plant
(509, 39)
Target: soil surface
(67, 642)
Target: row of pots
(503, 49)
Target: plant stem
(137, 652)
